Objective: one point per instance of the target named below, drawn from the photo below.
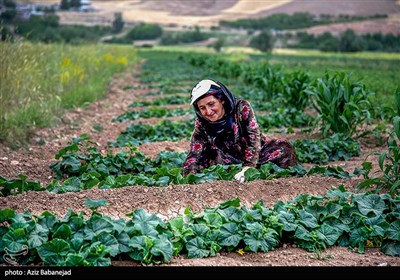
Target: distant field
(378, 71)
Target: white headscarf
(205, 87)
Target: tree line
(278, 30)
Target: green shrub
(145, 31)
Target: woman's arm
(250, 134)
(193, 162)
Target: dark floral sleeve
(198, 141)
(250, 134)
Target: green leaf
(95, 225)
(231, 214)
(359, 236)
(307, 219)
(163, 181)
(75, 260)
(77, 243)
(63, 232)
(252, 174)
(251, 215)
(94, 204)
(333, 211)
(302, 233)
(141, 217)
(212, 238)
(119, 225)
(76, 223)
(396, 119)
(72, 184)
(213, 220)
(370, 203)
(378, 224)
(162, 247)
(110, 241)
(102, 169)
(316, 210)
(6, 214)
(176, 223)
(196, 248)
(264, 243)
(331, 234)
(393, 232)
(230, 203)
(288, 220)
(123, 242)
(142, 246)
(47, 221)
(381, 160)
(54, 252)
(97, 254)
(391, 248)
(37, 236)
(71, 164)
(230, 235)
(200, 229)
(255, 229)
(15, 239)
(338, 224)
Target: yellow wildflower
(240, 252)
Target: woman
(226, 132)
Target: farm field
(161, 76)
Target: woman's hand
(240, 175)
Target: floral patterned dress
(243, 144)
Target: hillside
(210, 12)
(337, 7)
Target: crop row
(314, 223)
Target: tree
(10, 4)
(75, 3)
(67, 4)
(217, 45)
(263, 42)
(327, 42)
(118, 23)
(145, 31)
(64, 5)
(349, 41)
(9, 12)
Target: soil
(167, 202)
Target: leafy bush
(263, 41)
(145, 31)
(389, 164)
(341, 103)
(184, 37)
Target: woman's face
(211, 108)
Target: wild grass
(39, 81)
